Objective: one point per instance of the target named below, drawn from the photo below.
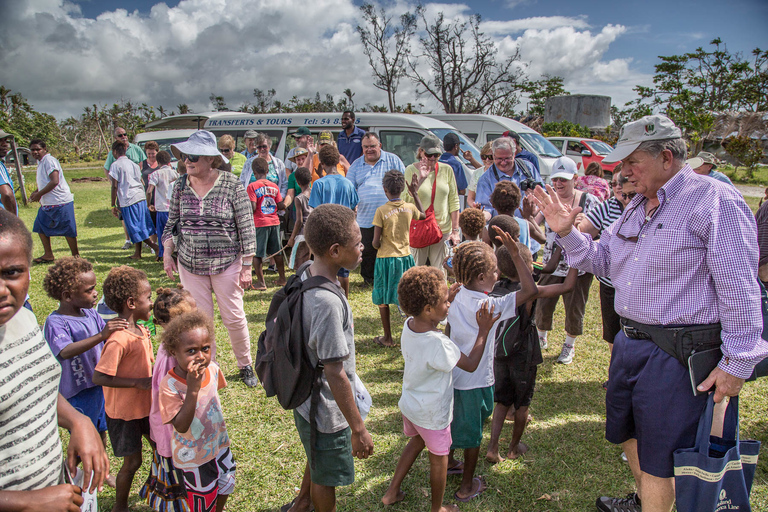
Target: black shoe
(629, 504)
(248, 377)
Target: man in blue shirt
(705, 164)
(521, 152)
(350, 138)
(451, 145)
(7, 195)
(366, 174)
(249, 139)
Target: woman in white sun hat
(210, 225)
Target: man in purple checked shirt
(683, 253)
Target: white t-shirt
(61, 193)
(162, 179)
(427, 398)
(130, 189)
(464, 331)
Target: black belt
(678, 342)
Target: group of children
(108, 375)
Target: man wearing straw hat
(683, 259)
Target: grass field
(569, 462)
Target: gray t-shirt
(329, 326)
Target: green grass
(569, 459)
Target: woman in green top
(227, 148)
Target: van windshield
(465, 144)
(540, 145)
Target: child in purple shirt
(76, 334)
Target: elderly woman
(563, 174)
(210, 224)
(227, 148)
(595, 222)
(486, 155)
(437, 177)
(276, 172)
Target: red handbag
(424, 233)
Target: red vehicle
(584, 151)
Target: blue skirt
(56, 220)
(138, 222)
(386, 277)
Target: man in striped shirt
(684, 254)
(31, 408)
(366, 174)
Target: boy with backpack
(312, 311)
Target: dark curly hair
(122, 283)
(328, 155)
(507, 266)
(420, 287)
(472, 259)
(185, 322)
(163, 157)
(506, 197)
(64, 275)
(471, 222)
(303, 176)
(393, 182)
(170, 303)
(328, 224)
(13, 231)
(507, 224)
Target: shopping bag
(716, 474)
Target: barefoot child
(334, 237)
(189, 400)
(76, 334)
(300, 252)
(474, 264)
(125, 371)
(266, 200)
(517, 353)
(430, 356)
(392, 222)
(128, 192)
(164, 489)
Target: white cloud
(63, 62)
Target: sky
(65, 55)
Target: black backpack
(282, 361)
(516, 335)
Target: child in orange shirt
(189, 401)
(125, 372)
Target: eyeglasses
(262, 146)
(499, 159)
(486, 157)
(225, 150)
(634, 238)
(191, 158)
(628, 196)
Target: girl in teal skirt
(392, 223)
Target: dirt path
(751, 190)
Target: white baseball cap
(655, 127)
(564, 167)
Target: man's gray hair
(263, 137)
(655, 148)
(507, 143)
(119, 128)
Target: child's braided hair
(171, 302)
(472, 259)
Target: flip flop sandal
(480, 488)
(456, 470)
(378, 341)
(287, 507)
(41, 260)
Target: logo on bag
(725, 503)
(722, 494)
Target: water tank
(588, 110)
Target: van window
(402, 143)
(574, 148)
(490, 137)
(539, 145)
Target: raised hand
(560, 217)
(413, 186)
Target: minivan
(483, 128)
(399, 133)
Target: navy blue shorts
(650, 399)
(90, 402)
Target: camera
(529, 184)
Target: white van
(482, 128)
(399, 133)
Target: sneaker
(624, 457)
(629, 504)
(566, 355)
(248, 377)
(127, 245)
(543, 343)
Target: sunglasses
(191, 158)
(262, 146)
(123, 135)
(486, 157)
(432, 156)
(628, 196)
(225, 150)
(633, 238)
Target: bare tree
(387, 47)
(464, 74)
